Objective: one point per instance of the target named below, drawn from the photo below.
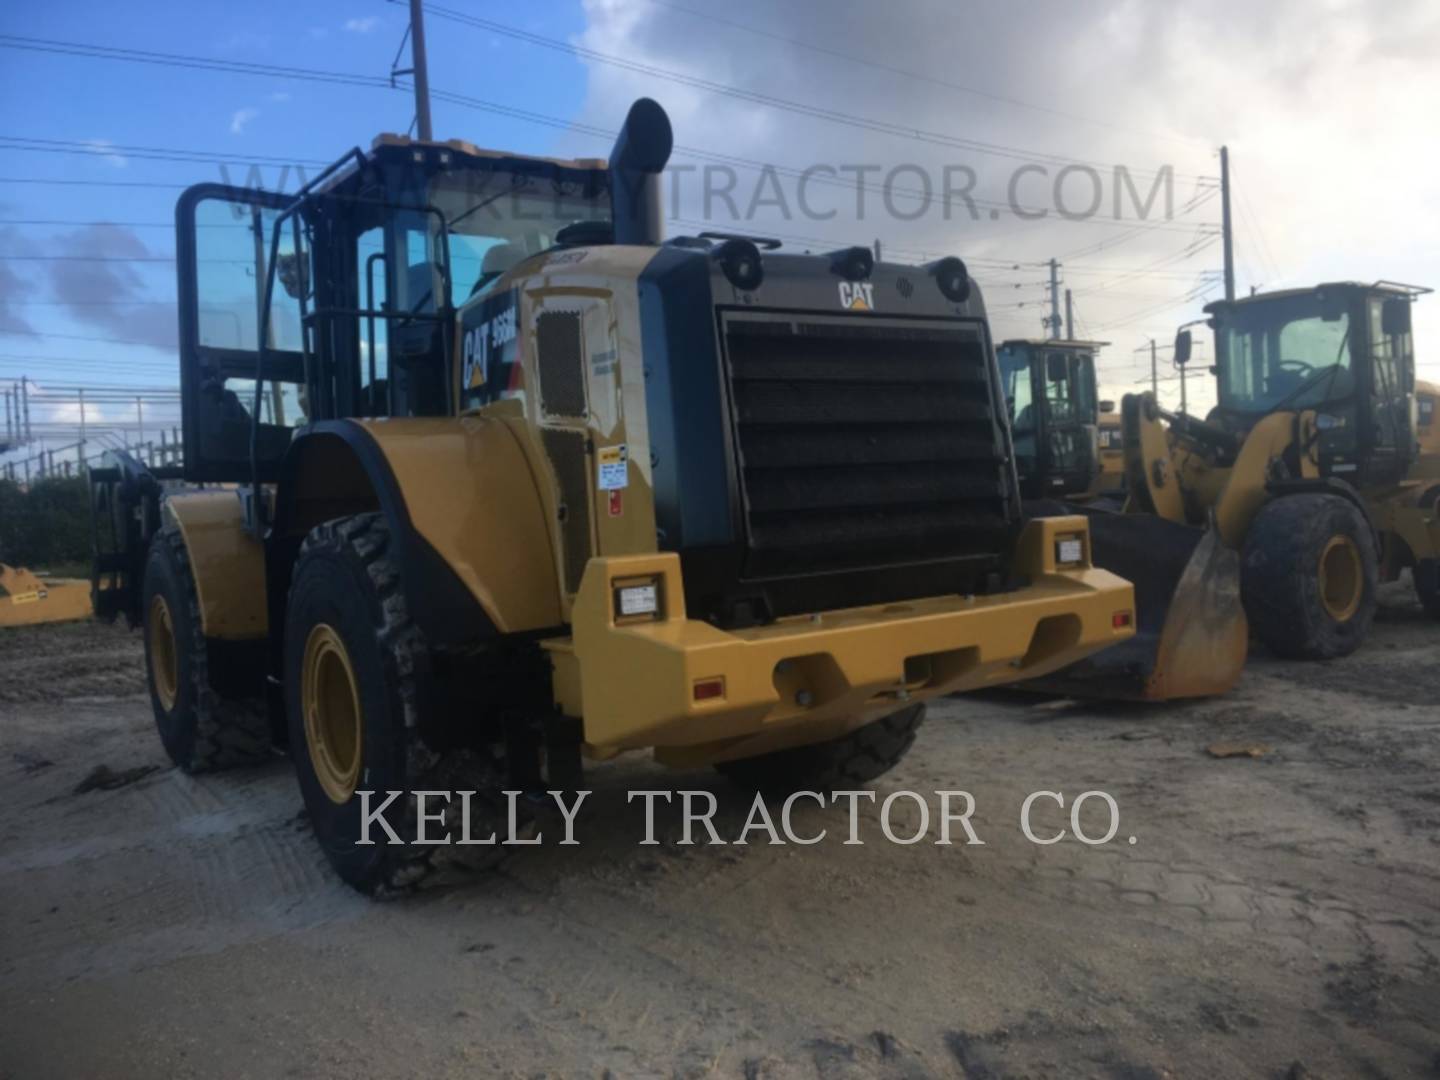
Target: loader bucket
(1191, 634)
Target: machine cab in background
(1344, 350)
(1051, 396)
(340, 300)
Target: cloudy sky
(1327, 108)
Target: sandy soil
(1275, 916)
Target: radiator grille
(864, 444)
(560, 342)
(566, 450)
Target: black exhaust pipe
(641, 151)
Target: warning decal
(613, 471)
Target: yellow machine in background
(1050, 396)
(1299, 494)
(523, 486)
(1427, 431)
(1110, 437)
(27, 599)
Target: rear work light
(1121, 619)
(637, 601)
(1069, 550)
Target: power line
(272, 70)
(81, 337)
(58, 181)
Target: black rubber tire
(1427, 585)
(347, 577)
(1279, 576)
(850, 761)
(203, 730)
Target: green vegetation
(46, 527)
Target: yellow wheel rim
(332, 713)
(164, 663)
(1342, 581)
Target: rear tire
(201, 729)
(850, 761)
(1427, 585)
(353, 659)
(1309, 575)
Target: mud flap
(1191, 634)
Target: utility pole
(1069, 317)
(25, 404)
(1154, 372)
(81, 451)
(878, 256)
(420, 71)
(1054, 319)
(1184, 402)
(1227, 232)
(140, 421)
(9, 427)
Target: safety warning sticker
(612, 465)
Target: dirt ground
(1275, 916)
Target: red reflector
(705, 689)
(1120, 619)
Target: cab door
(225, 241)
(1392, 383)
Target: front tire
(201, 728)
(850, 761)
(352, 664)
(1309, 575)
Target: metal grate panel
(865, 444)
(560, 341)
(566, 450)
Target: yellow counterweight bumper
(699, 694)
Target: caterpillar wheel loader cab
(507, 482)
(1303, 485)
(1340, 358)
(1051, 398)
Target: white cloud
(280, 96)
(363, 25)
(105, 148)
(1321, 106)
(241, 118)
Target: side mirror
(1056, 369)
(1395, 317)
(1182, 347)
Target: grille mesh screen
(560, 342)
(864, 445)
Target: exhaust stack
(641, 151)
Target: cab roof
(469, 149)
(1054, 343)
(1394, 287)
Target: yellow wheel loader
(1298, 494)
(517, 483)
